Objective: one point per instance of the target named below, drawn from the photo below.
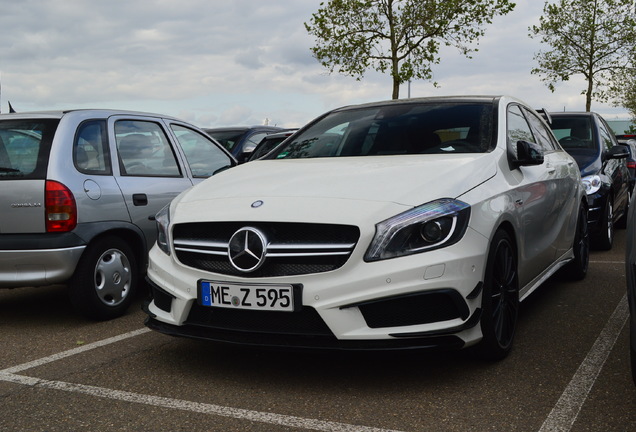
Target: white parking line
(560, 419)
(569, 405)
(71, 352)
(9, 375)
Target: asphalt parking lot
(569, 371)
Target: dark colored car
(602, 161)
(241, 140)
(269, 142)
(630, 272)
(629, 141)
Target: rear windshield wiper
(9, 170)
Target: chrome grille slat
(292, 248)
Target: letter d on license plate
(246, 296)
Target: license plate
(246, 296)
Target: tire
(632, 355)
(622, 222)
(605, 238)
(500, 299)
(577, 268)
(105, 280)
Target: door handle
(140, 199)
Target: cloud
(221, 63)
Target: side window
(144, 150)
(518, 128)
(204, 157)
(543, 135)
(90, 149)
(606, 137)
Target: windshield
(24, 148)
(576, 137)
(395, 129)
(574, 133)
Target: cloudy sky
(219, 63)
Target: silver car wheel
(112, 277)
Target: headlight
(591, 184)
(163, 229)
(431, 226)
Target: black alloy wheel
(500, 299)
(577, 268)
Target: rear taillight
(631, 164)
(61, 210)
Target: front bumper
(428, 300)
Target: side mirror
(617, 152)
(528, 154)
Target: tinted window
(90, 150)
(204, 157)
(542, 134)
(25, 146)
(228, 139)
(573, 133)
(409, 128)
(606, 137)
(144, 150)
(518, 129)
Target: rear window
(427, 128)
(25, 146)
(228, 139)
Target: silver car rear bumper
(21, 268)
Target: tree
(402, 37)
(593, 38)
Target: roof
(101, 112)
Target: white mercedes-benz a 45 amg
(418, 223)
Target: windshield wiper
(9, 170)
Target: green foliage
(593, 38)
(401, 37)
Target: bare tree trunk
(588, 95)
(396, 88)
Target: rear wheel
(605, 238)
(500, 299)
(577, 268)
(105, 280)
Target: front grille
(292, 248)
(305, 322)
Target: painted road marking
(9, 375)
(569, 405)
(561, 418)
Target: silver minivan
(79, 191)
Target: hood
(404, 180)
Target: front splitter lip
(285, 342)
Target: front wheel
(105, 279)
(500, 299)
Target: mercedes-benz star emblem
(247, 249)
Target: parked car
(602, 161)
(79, 191)
(630, 273)
(629, 141)
(269, 142)
(414, 223)
(241, 140)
